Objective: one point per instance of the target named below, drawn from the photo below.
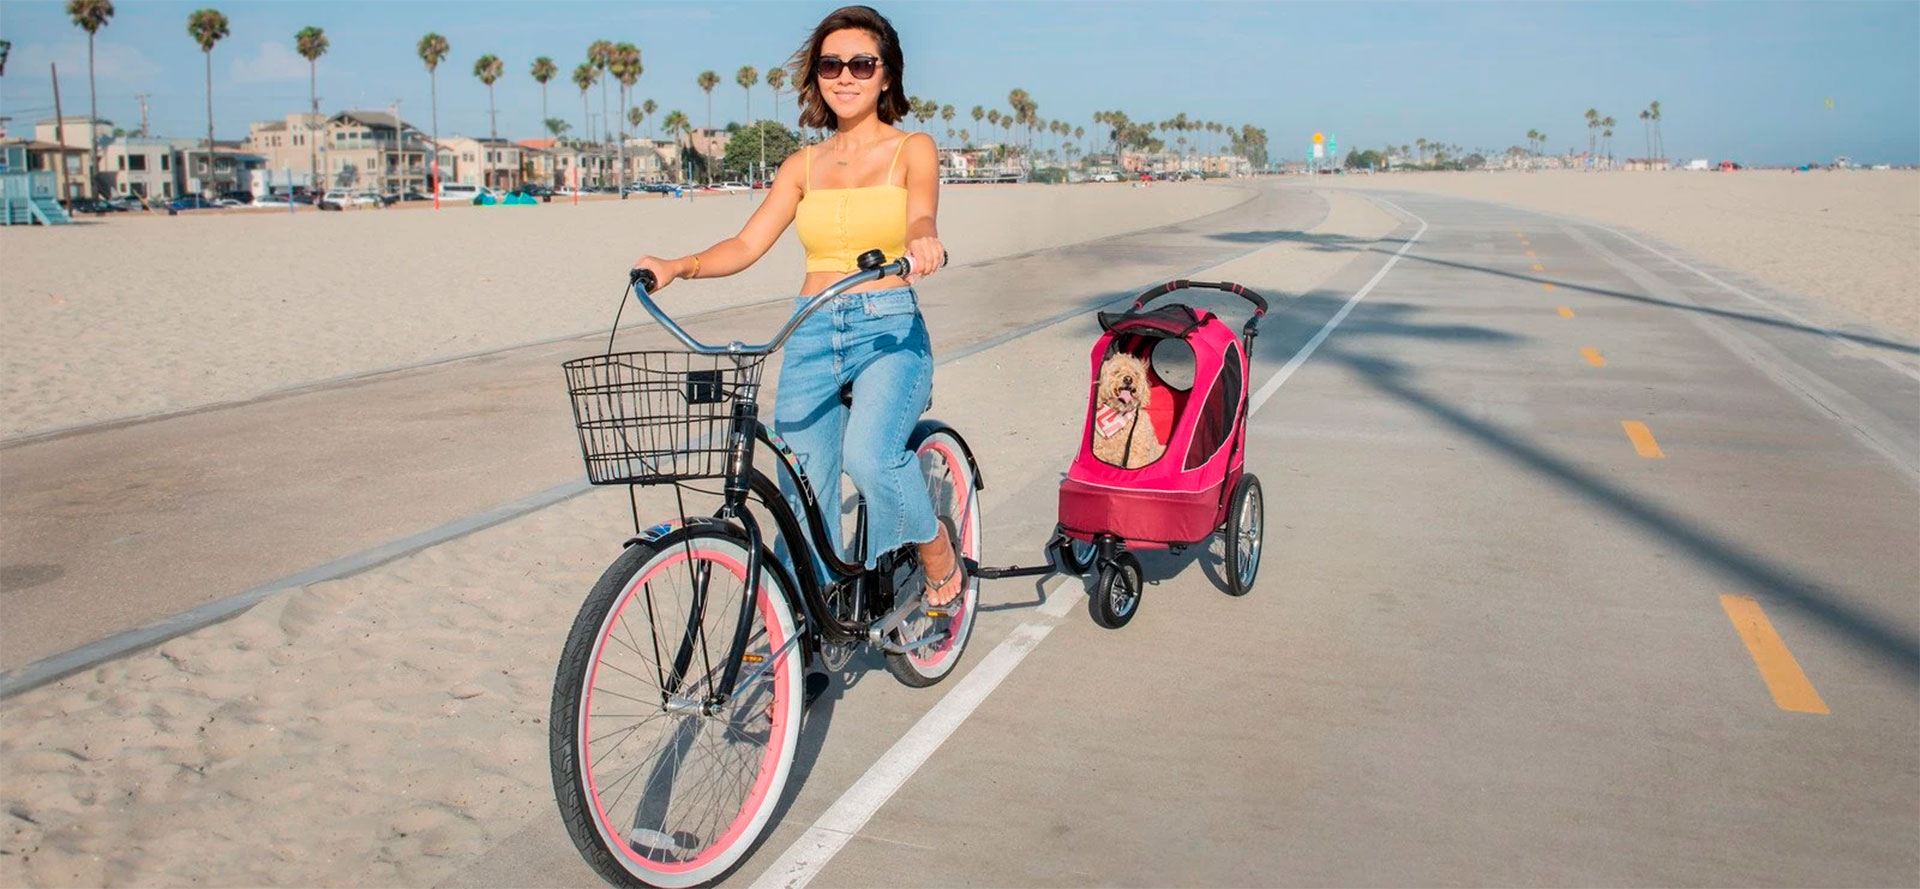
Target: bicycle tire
(586, 768)
(956, 499)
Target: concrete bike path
(119, 528)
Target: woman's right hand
(664, 270)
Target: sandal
(958, 570)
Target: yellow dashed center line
(1642, 438)
(1593, 356)
(1539, 268)
(1566, 312)
(1778, 668)
(1546, 285)
(1529, 252)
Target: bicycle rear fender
(926, 428)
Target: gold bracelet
(696, 266)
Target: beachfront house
(73, 131)
(494, 163)
(140, 167)
(581, 164)
(360, 150)
(227, 167)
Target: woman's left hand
(928, 256)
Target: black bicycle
(676, 708)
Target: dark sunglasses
(863, 67)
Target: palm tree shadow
(1644, 299)
(1753, 571)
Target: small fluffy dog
(1122, 431)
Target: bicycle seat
(846, 398)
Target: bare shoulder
(793, 170)
(919, 150)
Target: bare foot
(945, 582)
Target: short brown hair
(805, 63)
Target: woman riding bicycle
(868, 186)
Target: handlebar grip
(643, 279)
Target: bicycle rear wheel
(659, 781)
(955, 493)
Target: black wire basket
(659, 416)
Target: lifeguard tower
(27, 196)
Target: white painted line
(1280, 377)
(1789, 314)
(833, 830)
(804, 859)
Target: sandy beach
(1846, 242)
(388, 728)
(135, 316)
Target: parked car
(89, 205)
(126, 202)
(190, 202)
(1108, 176)
(243, 197)
(460, 192)
(538, 191)
(732, 187)
(275, 201)
(340, 200)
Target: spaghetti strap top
(836, 225)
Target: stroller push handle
(1259, 302)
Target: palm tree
(90, 16)
(677, 124)
(1659, 140)
(946, 117)
(544, 70)
(776, 81)
(311, 43)
(488, 68)
(749, 77)
(557, 127)
(1533, 138)
(583, 77)
(1593, 122)
(600, 56)
(978, 114)
(625, 66)
(433, 48)
(647, 108)
(707, 81)
(1646, 131)
(1606, 124)
(207, 27)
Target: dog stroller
(1195, 395)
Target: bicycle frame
(742, 479)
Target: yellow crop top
(836, 225)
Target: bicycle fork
(739, 466)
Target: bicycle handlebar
(873, 267)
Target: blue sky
(1742, 80)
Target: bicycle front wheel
(661, 780)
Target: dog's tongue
(1125, 396)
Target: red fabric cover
(1160, 501)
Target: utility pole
(143, 97)
(59, 132)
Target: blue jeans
(877, 341)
